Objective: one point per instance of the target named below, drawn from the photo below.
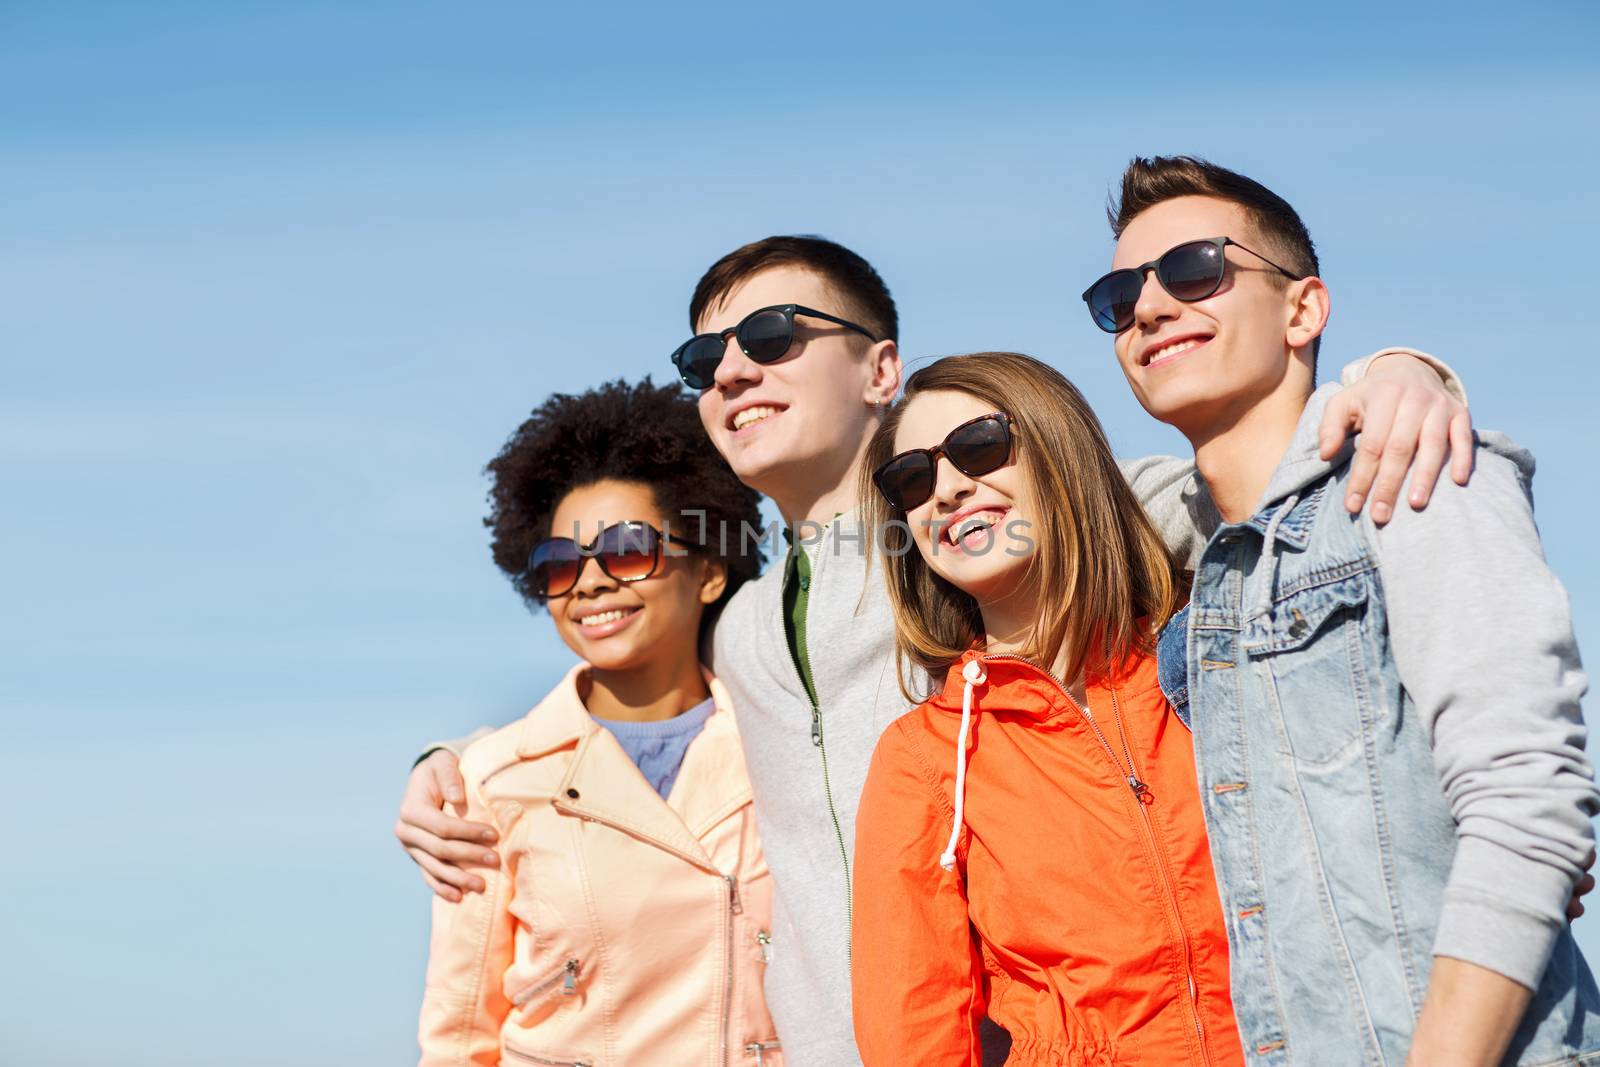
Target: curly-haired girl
(625, 919)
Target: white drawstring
(974, 675)
(1264, 601)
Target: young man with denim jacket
(1386, 717)
(806, 651)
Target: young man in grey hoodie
(1386, 719)
(806, 651)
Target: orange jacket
(1080, 912)
(620, 928)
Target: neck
(1008, 628)
(825, 487)
(662, 689)
(1237, 455)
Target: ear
(713, 580)
(1308, 312)
(883, 360)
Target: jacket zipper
(735, 907)
(827, 788)
(567, 976)
(528, 1057)
(1139, 789)
(838, 831)
(1166, 877)
(759, 1049)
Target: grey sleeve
(1177, 502)
(456, 747)
(1482, 637)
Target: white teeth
(750, 415)
(987, 521)
(603, 618)
(1172, 350)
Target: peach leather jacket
(1076, 903)
(619, 929)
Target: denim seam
(1325, 575)
(1345, 959)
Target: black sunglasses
(627, 552)
(974, 448)
(764, 335)
(1190, 271)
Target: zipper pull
(816, 726)
(733, 894)
(1140, 790)
(569, 983)
(764, 939)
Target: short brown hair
(1111, 582)
(1150, 181)
(865, 298)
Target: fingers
(470, 852)
(1432, 446)
(1461, 451)
(1575, 905)
(446, 771)
(446, 881)
(1338, 419)
(1375, 425)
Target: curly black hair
(631, 433)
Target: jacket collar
(1014, 685)
(602, 783)
(1022, 687)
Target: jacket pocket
(1309, 653)
(1296, 619)
(765, 1053)
(565, 980)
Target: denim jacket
(1390, 769)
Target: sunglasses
(764, 335)
(626, 552)
(974, 448)
(1190, 271)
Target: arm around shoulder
(1482, 636)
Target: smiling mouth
(606, 619)
(973, 530)
(1167, 352)
(752, 415)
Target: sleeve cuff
(455, 747)
(1354, 372)
(1492, 929)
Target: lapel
(603, 785)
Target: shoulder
(492, 751)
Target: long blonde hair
(1107, 582)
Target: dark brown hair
(864, 299)
(1109, 584)
(1150, 181)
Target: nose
(950, 486)
(593, 580)
(735, 367)
(1155, 304)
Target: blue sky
(281, 277)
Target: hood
(1302, 463)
